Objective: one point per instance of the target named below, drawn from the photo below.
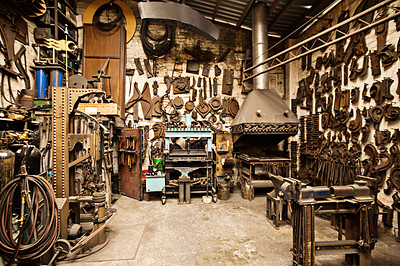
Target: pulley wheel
(64, 248)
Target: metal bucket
(223, 191)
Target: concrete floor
(233, 232)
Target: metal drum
(32, 163)
(7, 162)
(223, 190)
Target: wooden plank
(102, 108)
(131, 172)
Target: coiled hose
(158, 46)
(116, 16)
(38, 225)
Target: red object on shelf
(144, 173)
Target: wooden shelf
(63, 17)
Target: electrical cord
(159, 46)
(38, 224)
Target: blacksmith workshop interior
(189, 132)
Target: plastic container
(158, 163)
(144, 173)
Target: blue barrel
(41, 83)
(56, 78)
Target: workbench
(253, 172)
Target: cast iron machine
(189, 168)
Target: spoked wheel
(166, 105)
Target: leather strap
(139, 67)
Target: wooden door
(97, 47)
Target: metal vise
(293, 189)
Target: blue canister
(41, 83)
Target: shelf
(63, 18)
(61, 30)
(69, 5)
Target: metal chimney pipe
(260, 43)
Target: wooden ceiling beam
(272, 8)
(303, 19)
(245, 13)
(282, 13)
(216, 10)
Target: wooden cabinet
(130, 171)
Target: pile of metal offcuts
(351, 208)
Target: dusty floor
(233, 232)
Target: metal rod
(323, 46)
(66, 55)
(324, 32)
